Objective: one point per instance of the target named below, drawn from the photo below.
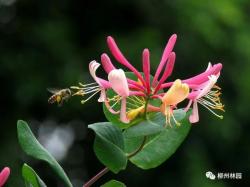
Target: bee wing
(53, 90)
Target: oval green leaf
(144, 128)
(31, 178)
(160, 147)
(33, 148)
(113, 183)
(109, 146)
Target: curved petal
(118, 81)
(203, 77)
(204, 88)
(209, 86)
(93, 66)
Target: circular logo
(210, 175)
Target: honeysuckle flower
(204, 95)
(4, 175)
(134, 94)
(118, 81)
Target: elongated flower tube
(176, 93)
(168, 49)
(120, 58)
(200, 78)
(118, 81)
(106, 63)
(146, 68)
(4, 175)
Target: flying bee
(59, 96)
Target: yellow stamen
(211, 101)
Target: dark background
(50, 43)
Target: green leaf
(109, 146)
(160, 147)
(113, 183)
(31, 178)
(33, 148)
(144, 128)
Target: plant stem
(96, 177)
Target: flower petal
(118, 81)
(93, 66)
(204, 88)
(106, 63)
(203, 77)
(121, 59)
(176, 93)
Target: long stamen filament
(98, 89)
(212, 105)
(84, 85)
(136, 100)
(119, 99)
(84, 101)
(219, 116)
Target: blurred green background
(50, 43)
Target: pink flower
(142, 89)
(4, 175)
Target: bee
(59, 96)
